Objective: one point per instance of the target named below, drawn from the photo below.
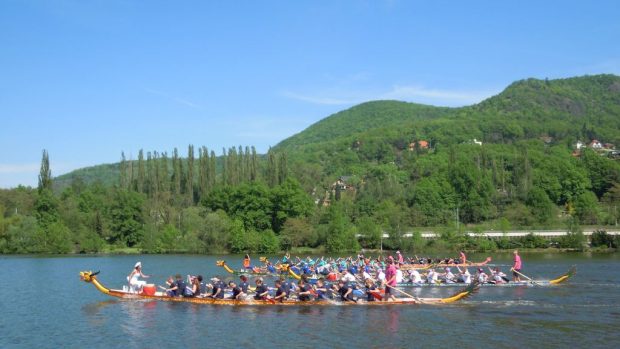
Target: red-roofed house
(595, 144)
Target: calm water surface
(43, 304)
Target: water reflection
(94, 308)
(138, 316)
(393, 319)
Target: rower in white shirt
(431, 277)
(497, 276)
(482, 277)
(348, 277)
(380, 275)
(448, 276)
(365, 275)
(415, 276)
(399, 276)
(465, 276)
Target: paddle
(270, 300)
(405, 293)
(525, 276)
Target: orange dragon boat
(91, 277)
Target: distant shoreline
(320, 251)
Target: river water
(43, 304)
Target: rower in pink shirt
(516, 267)
(390, 279)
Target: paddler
(237, 293)
(482, 277)
(247, 263)
(464, 276)
(304, 292)
(371, 291)
(414, 274)
(262, 292)
(400, 257)
(432, 276)
(345, 292)
(497, 276)
(218, 289)
(462, 258)
(244, 284)
(320, 289)
(280, 292)
(448, 276)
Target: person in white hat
(136, 285)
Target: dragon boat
(525, 283)
(91, 277)
(255, 271)
(558, 280)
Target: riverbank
(305, 251)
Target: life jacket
(246, 263)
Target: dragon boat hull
(90, 277)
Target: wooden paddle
(405, 293)
(527, 277)
(270, 300)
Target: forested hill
(106, 174)
(361, 118)
(526, 109)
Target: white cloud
(409, 93)
(445, 97)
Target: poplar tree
(232, 170)
(254, 165)
(224, 167)
(272, 169)
(189, 184)
(212, 170)
(202, 172)
(156, 174)
(247, 157)
(176, 172)
(164, 174)
(282, 168)
(123, 172)
(240, 165)
(150, 175)
(45, 174)
(141, 171)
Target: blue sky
(87, 80)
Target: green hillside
(559, 111)
(106, 174)
(361, 118)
